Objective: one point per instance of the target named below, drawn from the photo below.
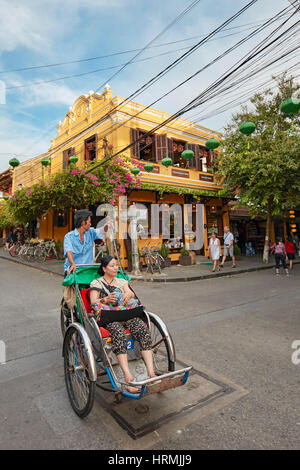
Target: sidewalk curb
(206, 276)
(30, 266)
(162, 280)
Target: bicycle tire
(161, 349)
(81, 390)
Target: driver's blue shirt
(82, 252)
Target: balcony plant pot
(167, 262)
(185, 260)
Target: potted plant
(184, 258)
(164, 251)
(59, 246)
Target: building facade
(95, 121)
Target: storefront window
(60, 218)
(214, 221)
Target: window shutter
(209, 158)
(135, 149)
(195, 161)
(161, 147)
(65, 159)
(170, 149)
(66, 155)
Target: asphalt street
(239, 329)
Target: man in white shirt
(228, 247)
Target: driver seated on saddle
(109, 291)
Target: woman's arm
(128, 294)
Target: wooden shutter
(161, 147)
(135, 149)
(195, 161)
(209, 159)
(66, 155)
(65, 159)
(170, 149)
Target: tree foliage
(266, 177)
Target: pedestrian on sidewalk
(290, 251)
(278, 249)
(215, 251)
(228, 247)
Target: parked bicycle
(45, 250)
(152, 258)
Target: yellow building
(96, 120)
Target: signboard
(206, 178)
(180, 173)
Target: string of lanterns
(288, 107)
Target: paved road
(239, 328)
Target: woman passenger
(109, 290)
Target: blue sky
(34, 33)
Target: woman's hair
(105, 260)
(278, 240)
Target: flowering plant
(74, 188)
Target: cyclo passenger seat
(85, 297)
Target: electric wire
(181, 58)
(119, 152)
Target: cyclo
(88, 357)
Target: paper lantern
(247, 128)
(212, 144)
(167, 161)
(14, 162)
(135, 171)
(46, 161)
(148, 167)
(290, 106)
(187, 154)
(73, 159)
(5, 198)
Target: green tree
(263, 169)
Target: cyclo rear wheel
(162, 345)
(77, 366)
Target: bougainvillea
(74, 188)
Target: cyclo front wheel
(162, 346)
(79, 370)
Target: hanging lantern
(167, 161)
(14, 162)
(290, 106)
(5, 198)
(148, 167)
(212, 144)
(187, 154)
(135, 171)
(46, 161)
(73, 159)
(247, 128)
